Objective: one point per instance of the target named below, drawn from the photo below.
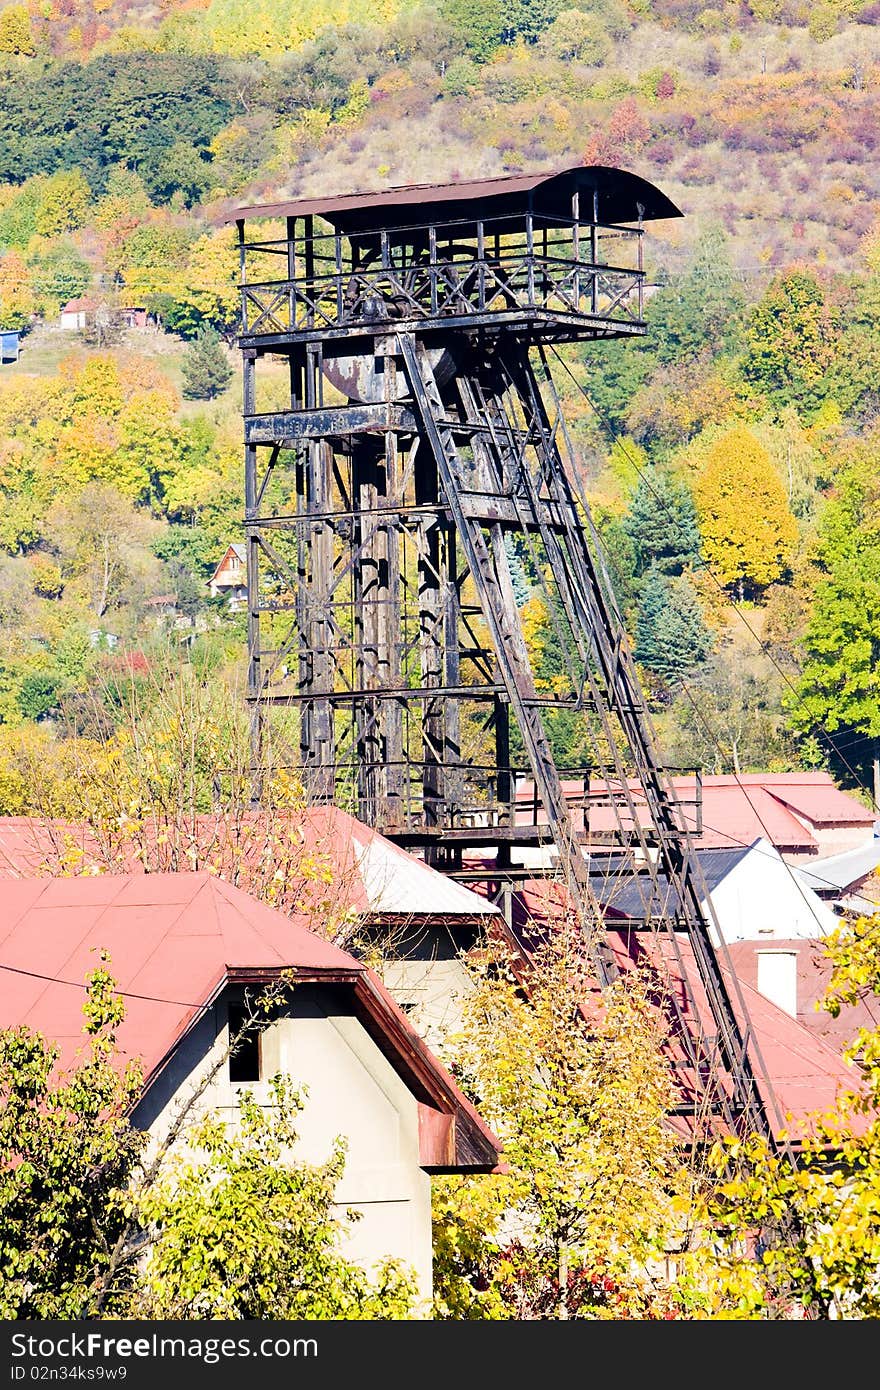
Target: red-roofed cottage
(184, 949)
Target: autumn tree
(208, 294)
(789, 1239)
(748, 532)
(100, 541)
(63, 203)
(592, 1167)
(16, 35)
(18, 300)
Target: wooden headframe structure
(412, 332)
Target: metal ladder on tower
(548, 504)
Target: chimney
(777, 978)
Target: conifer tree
(671, 637)
(662, 524)
(206, 369)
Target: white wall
(431, 993)
(760, 899)
(352, 1090)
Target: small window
(244, 1062)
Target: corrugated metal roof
(736, 810)
(807, 1071)
(619, 193)
(841, 871)
(373, 874)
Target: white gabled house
(230, 578)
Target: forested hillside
(731, 456)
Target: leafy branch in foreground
(215, 1221)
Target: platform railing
(500, 266)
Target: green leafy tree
(671, 637)
(790, 342)
(205, 366)
(67, 1152)
(699, 311)
(576, 37)
(730, 718)
(662, 524)
(58, 272)
(747, 529)
(481, 24)
(243, 1230)
(232, 1227)
(838, 693)
(18, 218)
(39, 694)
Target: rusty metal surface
(619, 194)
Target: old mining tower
(397, 351)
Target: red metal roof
(813, 977)
(358, 870)
(737, 810)
(174, 941)
(806, 1071)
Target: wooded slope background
(731, 456)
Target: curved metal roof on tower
(622, 197)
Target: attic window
(244, 1062)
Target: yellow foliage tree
(64, 203)
(594, 1177)
(16, 35)
(748, 532)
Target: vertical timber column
(377, 584)
(430, 548)
(252, 546)
(315, 569)
(391, 614)
(366, 591)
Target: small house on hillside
(134, 316)
(10, 345)
(230, 578)
(185, 949)
(76, 312)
